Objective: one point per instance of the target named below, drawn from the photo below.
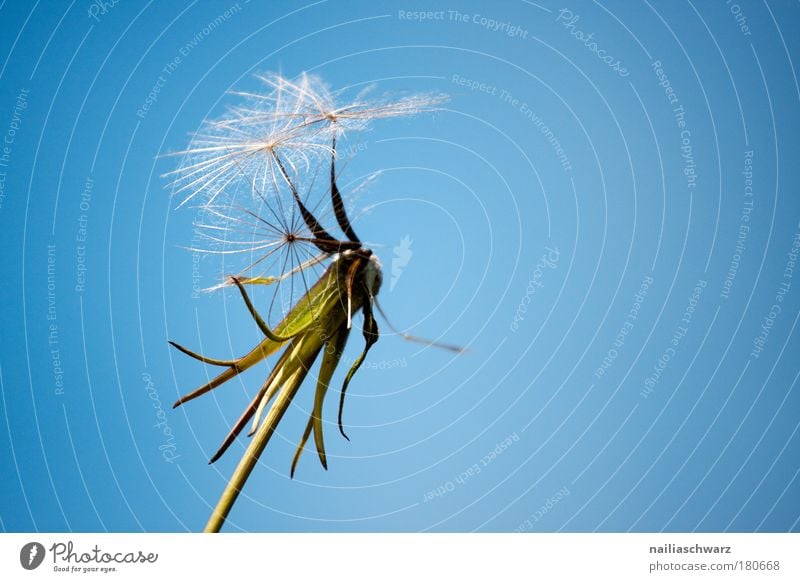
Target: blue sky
(604, 213)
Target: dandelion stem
(259, 442)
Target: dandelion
(246, 171)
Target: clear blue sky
(604, 213)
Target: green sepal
(371, 334)
(332, 353)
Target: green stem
(253, 452)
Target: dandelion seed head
(295, 120)
(240, 170)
